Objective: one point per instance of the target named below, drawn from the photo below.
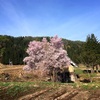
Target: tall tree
(91, 51)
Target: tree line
(13, 49)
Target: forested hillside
(13, 49)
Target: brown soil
(65, 92)
(62, 93)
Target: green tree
(14, 48)
(91, 51)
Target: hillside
(13, 49)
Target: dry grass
(16, 73)
(12, 70)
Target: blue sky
(70, 19)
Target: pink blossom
(44, 55)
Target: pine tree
(91, 51)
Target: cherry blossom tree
(46, 55)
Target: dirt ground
(63, 92)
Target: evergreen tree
(91, 51)
(14, 48)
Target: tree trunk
(53, 75)
(97, 68)
(89, 74)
